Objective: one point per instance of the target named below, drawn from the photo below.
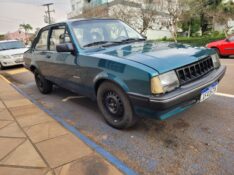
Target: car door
(40, 52)
(230, 46)
(63, 64)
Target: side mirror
(227, 40)
(65, 47)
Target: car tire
(220, 55)
(115, 106)
(44, 86)
(1, 66)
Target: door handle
(48, 56)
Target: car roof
(69, 21)
(4, 41)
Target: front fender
(109, 77)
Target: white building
(105, 8)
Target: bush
(198, 41)
(164, 38)
(2, 37)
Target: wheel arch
(215, 47)
(115, 81)
(33, 68)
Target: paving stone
(5, 89)
(63, 149)
(4, 123)
(24, 155)
(17, 102)
(89, 165)
(45, 131)
(49, 173)
(8, 144)
(21, 171)
(25, 110)
(11, 130)
(5, 115)
(2, 105)
(33, 119)
(11, 96)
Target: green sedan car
(128, 76)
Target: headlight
(215, 59)
(164, 83)
(5, 56)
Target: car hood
(160, 56)
(13, 51)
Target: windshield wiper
(132, 40)
(16, 48)
(96, 43)
(108, 43)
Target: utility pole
(48, 11)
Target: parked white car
(11, 53)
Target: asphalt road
(196, 142)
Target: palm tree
(26, 27)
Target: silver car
(11, 53)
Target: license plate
(209, 91)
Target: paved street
(33, 143)
(198, 141)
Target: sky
(15, 12)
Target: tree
(2, 37)
(26, 28)
(175, 12)
(142, 17)
(147, 16)
(223, 14)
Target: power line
(48, 12)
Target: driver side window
(58, 35)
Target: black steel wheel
(43, 85)
(115, 106)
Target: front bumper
(12, 62)
(186, 94)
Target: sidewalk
(33, 143)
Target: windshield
(11, 45)
(97, 32)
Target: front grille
(194, 71)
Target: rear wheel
(115, 106)
(44, 86)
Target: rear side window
(56, 37)
(42, 42)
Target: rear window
(11, 45)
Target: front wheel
(115, 106)
(44, 86)
(220, 55)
